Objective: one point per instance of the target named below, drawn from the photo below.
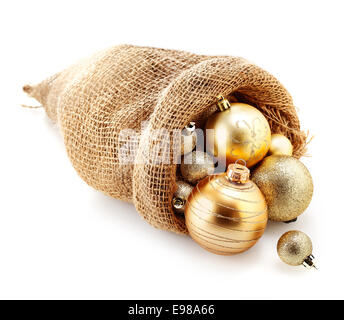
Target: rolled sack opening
(191, 97)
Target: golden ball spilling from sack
(180, 197)
(295, 248)
(238, 131)
(196, 166)
(280, 145)
(286, 184)
(226, 213)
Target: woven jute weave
(121, 87)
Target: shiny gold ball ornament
(295, 248)
(280, 145)
(180, 196)
(286, 184)
(188, 138)
(238, 131)
(196, 165)
(226, 213)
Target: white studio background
(59, 238)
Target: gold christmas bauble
(280, 145)
(180, 196)
(226, 213)
(188, 138)
(286, 184)
(238, 131)
(196, 165)
(295, 248)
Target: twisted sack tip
(27, 88)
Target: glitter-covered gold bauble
(295, 248)
(286, 184)
(238, 131)
(226, 213)
(196, 165)
(280, 145)
(188, 138)
(180, 196)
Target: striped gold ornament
(226, 213)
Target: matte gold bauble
(196, 166)
(295, 248)
(226, 213)
(280, 145)
(238, 131)
(180, 196)
(188, 138)
(286, 184)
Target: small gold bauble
(180, 196)
(238, 131)
(286, 184)
(188, 138)
(226, 213)
(280, 145)
(295, 248)
(196, 166)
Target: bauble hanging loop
(238, 173)
(222, 103)
(188, 138)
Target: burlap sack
(119, 88)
